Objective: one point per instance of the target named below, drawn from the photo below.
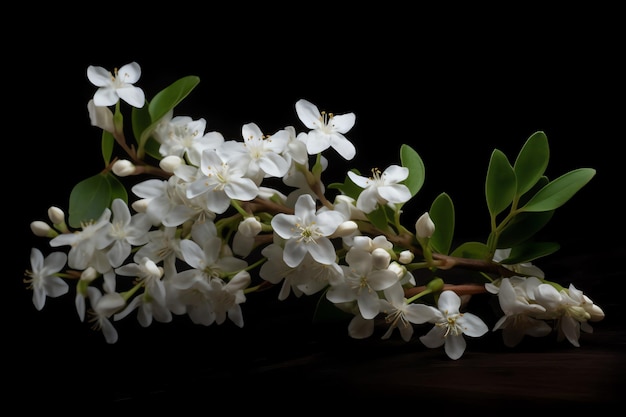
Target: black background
(451, 86)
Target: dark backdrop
(452, 88)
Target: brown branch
(460, 289)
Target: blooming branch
(212, 221)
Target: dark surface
(454, 102)
(280, 356)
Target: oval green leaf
(442, 214)
(107, 146)
(471, 250)
(171, 96)
(500, 185)
(91, 196)
(523, 227)
(531, 162)
(163, 102)
(411, 160)
(530, 251)
(559, 191)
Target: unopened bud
(346, 228)
(398, 269)
(140, 206)
(406, 257)
(435, 285)
(380, 258)
(250, 227)
(101, 117)
(56, 215)
(424, 226)
(89, 274)
(363, 242)
(42, 229)
(170, 163)
(123, 168)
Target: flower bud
(170, 163)
(250, 227)
(89, 274)
(140, 206)
(363, 242)
(42, 229)
(123, 168)
(346, 229)
(380, 258)
(424, 226)
(109, 304)
(398, 269)
(101, 117)
(406, 257)
(56, 215)
(270, 194)
(435, 285)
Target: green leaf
(163, 102)
(152, 148)
(411, 160)
(500, 185)
(379, 218)
(348, 187)
(171, 96)
(559, 191)
(471, 250)
(108, 141)
(141, 121)
(442, 214)
(525, 198)
(530, 251)
(531, 162)
(523, 227)
(91, 196)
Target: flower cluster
(210, 221)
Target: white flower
(163, 245)
(524, 268)
(117, 85)
(147, 309)
(227, 297)
(515, 300)
(209, 259)
(400, 315)
(451, 325)
(327, 130)
(224, 179)
(182, 136)
(148, 273)
(275, 270)
(262, 155)
(83, 244)
(361, 282)
(306, 231)
(166, 202)
(382, 188)
(570, 308)
(103, 308)
(124, 232)
(295, 150)
(42, 279)
(311, 276)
